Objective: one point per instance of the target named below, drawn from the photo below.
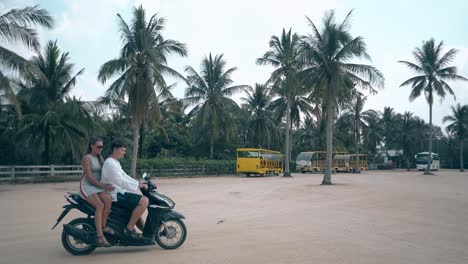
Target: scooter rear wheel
(172, 237)
(76, 247)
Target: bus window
(247, 154)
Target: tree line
(313, 100)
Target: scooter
(163, 225)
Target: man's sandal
(131, 233)
(102, 242)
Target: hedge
(182, 166)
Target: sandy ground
(375, 217)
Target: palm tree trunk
(46, 146)
(330, 107)
(461, 156)
(136, 136)
(290, 141)
(358, 167)
(429, 160)
(140, 141)
(287, 172)
(211, 147)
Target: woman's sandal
(108, 230)
(102, 242)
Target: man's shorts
(128, 200)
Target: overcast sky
(241, 29)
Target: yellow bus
(311, 161)
(259, 161)
(315, 161)
(340, 163)
(347, 162)
(362, 161)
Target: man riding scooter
(126, 191)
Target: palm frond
(15, 25)
(71, 83)
(412, 66)
(111, 68)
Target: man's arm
(112, 173)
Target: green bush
(182, 166)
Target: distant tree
(51, 116)
(262, 126)
(458, 126)
(407, 135)
(432, 67)
(141, 69)
(16, 27)
(210, 93)
(284, 55)
(372, 134)
(389, 124)
(328, 53)
(356, 114)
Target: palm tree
(372, 134)
(328, 53)
(49, 112)
(261, 124)
(389, 122)
(432, 67)
(407, 135)
(284, 54)
(141, 68)
(16, 27)
(458, 126)
(311, 134)
(355, 113)
(210, 92)
(175, 124)
(300, 105)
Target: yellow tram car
(259, 161)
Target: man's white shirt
(112, 173)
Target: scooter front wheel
(75, 246)
(171, 234)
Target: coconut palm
(50, 114)
(301, 105)
(458, 126)
(432, 67)
(407, 135)
(355, 113)
(389, 120)
(284, 55)
(373, 134)
(210, 92)
(141, 69)
(16, 26)
(262, 126)
(329, 53)
(311, 135)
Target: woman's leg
(106, 198)
(98, 205)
